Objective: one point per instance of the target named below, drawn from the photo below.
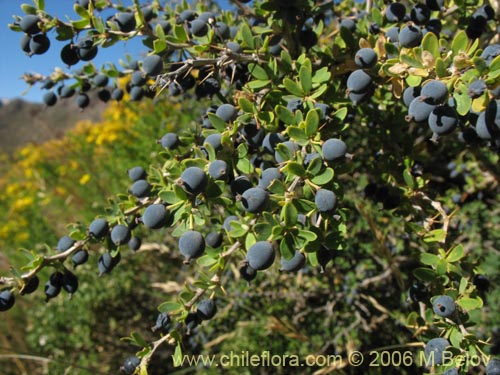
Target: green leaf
(296, 169)
(287, 249)
(159, 45)
(284, 114)
(442, 267)
(40, 4)
(258, 72)
(81, 11)
(464, 102)
(436, 235)
(430, 43)
(424, 274)
(246, 105)
(293, 88)
(456, 254)
(80, 24)
(460, 42)
(206, 261)
(258, 84)
(289, 214)
(297, 134)
(410, 60)
(28, 9)
(429, 259)
(325, 177)
(348, 38)
(246, 35)
(463, 285)
(307, 235)
(321, 75)
(180, 33)
(180, 192)
(340, 114)
(170, 306)
(177, 357)
(217, 122)
(468, 304)
(312, 122)
(495, 64)
(407, 176)
(244, 165)
(238, 229)
(305, 78)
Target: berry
(393, 34)
(358, 82)
(490, 52)
(131, 364)
(395, 12)
(29, 24)
(476, 88)
(120, 234)
(410, 36)
(434, 350)
(69, 282)
(227, 222)
(104, 95)
(292, 148)
(125, 21)
(221, 30)
(117, 94)
(481, 282)
(163, 323)
(53, 285)
(240, 184)
(418, 292)
(186, 15)
(218, 169)
(31, 285)
(65, 243)
(493, 367)
(420, 14)
(140, 189)
(227, 112)
(214, 140)
(214, 239)
(365, 58)
(348, 23)
(192, 321)
(152, 65)
(101, 80)
(247, 273)
(206, 309)
(194, 180)
(419, 110)
(198, 27)
(49, 98)
(136, 93)
(191, 245)
(234, 47)
(137, 173)
(443, 120)
(99, 228)
(294, 264)
(334, 149)
(271, 140)
(295, 105)
(268, 176)
(260, 255)
(254, 200)
(80, 257)
(69, 54)
(86, 49)
(82, 100)
(67, 92)
(7, 300)
(106, 263)
(434, 92)
(170, 141)
(39, 44)
(409, 94)
(325, 200)
(308, 37)
(443, 306)
(138, 79)
(435, 4)
(155, 216)
(135, 243)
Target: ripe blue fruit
(163, 323)
(476, 88)
(419, 110)
(295, 105)
(65, 243)
(138, 78)
(101, 80)
(218, 169)
(66, 92)
(86, 49)
(333, 149)
(53, 285)
(135, 243)
(240, 184)
(137, 173)
(443, 119)
(234, 47)
(214, 140)
(29, 24)
(69, 54)
(435, 4)
(481, 282)
(420, 14)
(418, 292)
(247, 273)
(106, 262)
(125, 21)
(186, 15)
(206, 309)
(365, 58)
(260, 255)
(192, 245)
(395, 12)
(268, 176)
(69, 282)
(358, 82)
(393, 34)
(31, 285)
(39, 44)
(49, 98)
(434, 92)
(214, 239)
(221, 30)
(117, 94)
(120, 234)
(80, 257)
(292, 148)
(191, 322)
(194, 180)
(140, 189)
(99, 228)
(271, 140)
(325, 200)
(130, 365)
(170, 141)
(227, 112)
(7, 300)
(198, 27)
(410, 36)
(490, 52)
(443, 306)
(409, 94)
(348, 23)
(434, 350)
(82, 100)
(152, 65)
(451, 371)
(227, 222)
(493, 367)
(295, 263)
(155, 216)
(254, 200)
(136, 93)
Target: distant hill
(23, 122)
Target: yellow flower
(84, 179)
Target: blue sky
(14, 62)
